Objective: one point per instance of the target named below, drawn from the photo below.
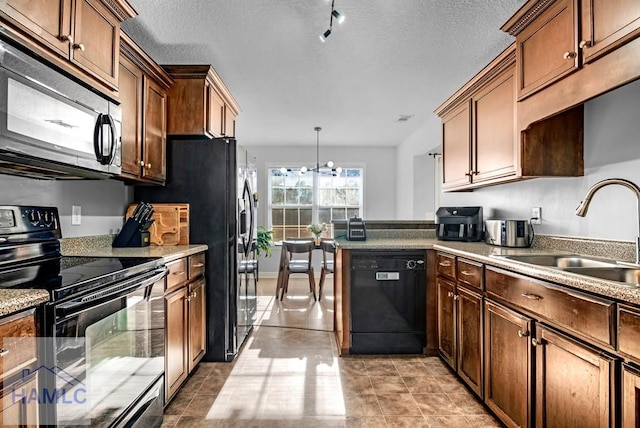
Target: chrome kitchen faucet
(584, 205)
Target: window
(298, 199)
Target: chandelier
(326, 169)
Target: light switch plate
(76, 215)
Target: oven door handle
(72, 307)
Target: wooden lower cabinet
(20, 412)
(445, 291)
(185, 314)
(507, 364)
(197, 322)
(469, 335)
(176, 364)
(460, 331)
(574, 383)
(630, 396)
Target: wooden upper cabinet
(547, 49)
(96, 45)
(80, 36)
(199, 103)
(607, 24)
(494, 112)
(48, 21)
(456, 147)
(131, 90)
(143, 93)
(154, 131)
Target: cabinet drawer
(178, 273)
(590, 316)
(446, 265)
(629, 331)
(470, 273)
(18, 343)
(196, 265)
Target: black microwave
(52, 126)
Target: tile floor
(289, 374)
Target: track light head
(338, 16)
(323, 37)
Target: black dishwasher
(388, 302)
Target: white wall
(611, 149)
(103, 202)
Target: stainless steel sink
(563, 261)
(627, 275)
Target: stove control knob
(34, 217)
(411, 264)
(48, 218)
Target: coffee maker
(459, 224)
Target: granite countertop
(15, 300)
(490, 255)
(167, 252)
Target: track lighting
(334, 14)
(323, 37)
(338, 16)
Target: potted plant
(265, 241)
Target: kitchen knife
(136, 212)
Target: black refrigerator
(217, 179)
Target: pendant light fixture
(334, 14)
(325, 169)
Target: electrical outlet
(76, 215)
(536, 215)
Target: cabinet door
(130, 88)
(155, 131)
(20, 412)
(573, 383)
(630, 397)
(229, 122)
(456, 147)
(507, 364)
(176, 364)
(96, 46)
(470, 338)
(47, 21)
(446, 321)
(547, 48)
(607, 24)
(197, 323)
(494, 127)
(215, 112)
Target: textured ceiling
(389, 58)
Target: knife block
(132, 235)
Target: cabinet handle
(449, 294)
(585, 44)
(78, 47)
(468, 174)
(456, 297)
(141, 163)
(148, 166)
(188, 298)
(466, 273)
(194, 294)
(536, 342)
(178, 273)
(475, 172)
(531, 296)
(66, 38)
(198, 265)
(444, 264)
(3, 352)
(523, 333)
(569, 55)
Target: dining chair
(328, 247)
(296, 259)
